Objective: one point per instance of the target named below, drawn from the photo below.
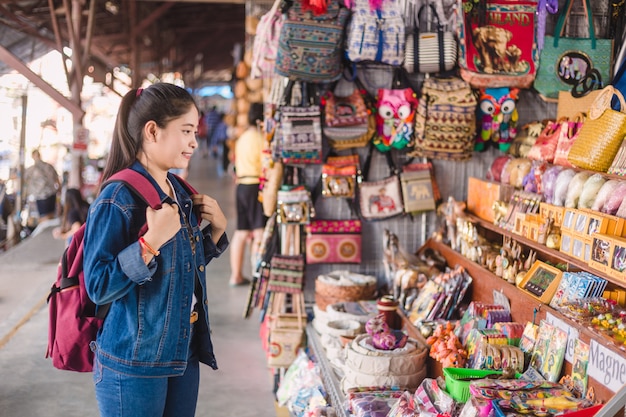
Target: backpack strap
(140, 185)
(143, 188)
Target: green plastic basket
(458, 381)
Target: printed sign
(606, 366)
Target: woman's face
(177, 141)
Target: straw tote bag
(601, 135)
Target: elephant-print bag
(381, 199)
(498, 46)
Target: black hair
(255, 113)
(161, 103)
(74, 201)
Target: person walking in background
(75, 210)
(218, 146)
(157, 331)
(250, 217)
(203, 135)
(212, 119)
(43, 183)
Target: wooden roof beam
(15, 63)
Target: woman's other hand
(209, 210)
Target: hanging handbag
(382, 199)
(601, 135)
(445, 121)
(333, 241)
(376, 34)
(344, 111)
(569, 133)
(428, 51)
(286, 273)
(339, 176)
(417, 188)
(294, 204)
(310, 45)
(497, 43)
(350, 137)
(285, 331)
(564, 63)
(265, 46)
(300, 130)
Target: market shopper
(250, 217)
(43, 184)
(157, 330)
(75, 210)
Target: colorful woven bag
(310, 45)
(286, 273)
(445, 122)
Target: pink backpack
(73, 320)
(265, 47)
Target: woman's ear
(150, 131)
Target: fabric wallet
(286, 273)
(333, 241)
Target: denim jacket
(146, 331)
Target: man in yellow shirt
(250, 217)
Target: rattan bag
(601, 135)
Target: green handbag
(578, 65)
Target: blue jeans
(121, 395)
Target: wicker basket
(339, 286)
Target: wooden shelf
(524, 307)
(542, 249)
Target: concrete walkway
(31, 387)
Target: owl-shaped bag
(395, 116)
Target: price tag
(572, 335)
(606, 366)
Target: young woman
(156, 332)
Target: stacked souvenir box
(579, 228)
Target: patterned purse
(382, 199)
(299, 131)
(333, 241)
(340, 111)
(286, 273)
(310, 45)
(445, 121)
